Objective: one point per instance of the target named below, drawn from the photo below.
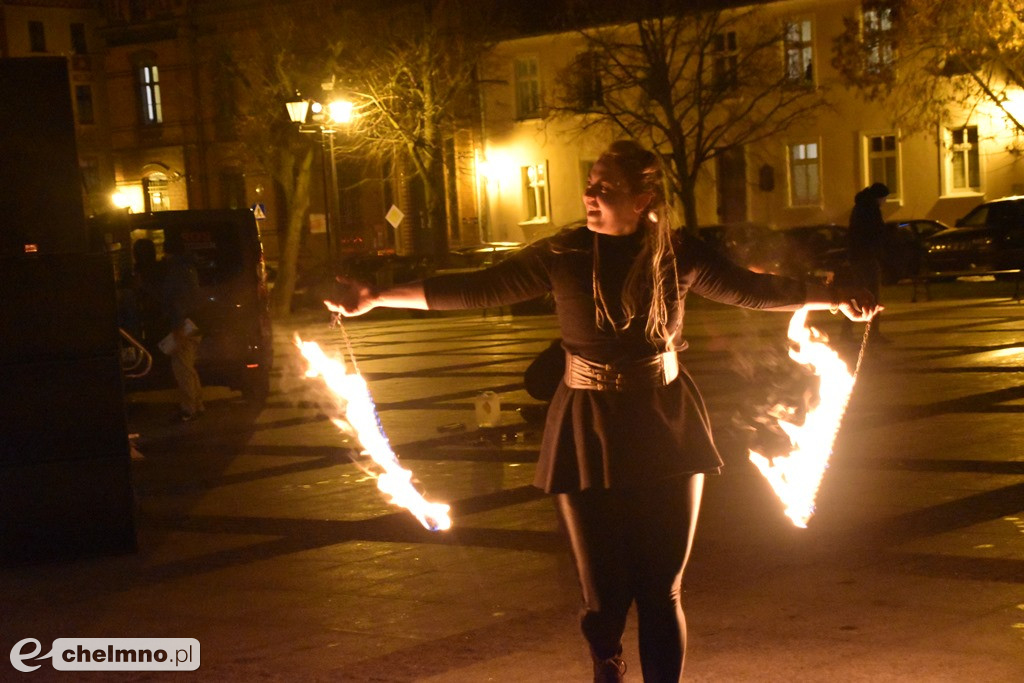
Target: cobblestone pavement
(260, 537)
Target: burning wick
(358, 418)
(796, 477)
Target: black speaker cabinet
(40, 181)
(65, 486)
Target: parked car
(803, 248)
(902, 251)
(989, 238)
(752, 245)
(796, 252)
(237, 345)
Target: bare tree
(284, 52)
(413, 86)
(925, 59)
(407, 64)
(691, 83)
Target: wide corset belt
(654, 371)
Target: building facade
(532, 165)
(155, 119)
(48, 28)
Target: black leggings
(632, 544)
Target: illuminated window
(799, 52)
(149, 94)
(879, 36)
(882, 161)
(963, 159)
(528, 103)
(154, 188)
(535, 193)
(804, 174)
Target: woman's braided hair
(652, 276)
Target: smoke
(774, 387)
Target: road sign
(394, 216)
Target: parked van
(236, 348)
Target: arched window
(155, 192)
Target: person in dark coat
(627, 439)
(866, 241)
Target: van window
(218, 252)
(216, 247)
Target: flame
(796, 477)
(358, 418)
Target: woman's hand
(857, 304)
(355, 297)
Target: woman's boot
(611, 670)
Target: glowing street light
(128, 196)
(121, 199)
(341, 111)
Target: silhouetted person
(865, 243)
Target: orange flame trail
(796, 477)
(358, 418)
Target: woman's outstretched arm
(357, 297)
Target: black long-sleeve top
(603, 438)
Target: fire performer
(627, 439)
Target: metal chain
(336, 322)
(863, 347)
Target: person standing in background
(865, 245)
(181, 301)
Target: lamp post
(337, 112)
(313, 117)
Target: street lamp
(297, 110)
(322, 120)
(337, 112)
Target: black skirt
(609, 439)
